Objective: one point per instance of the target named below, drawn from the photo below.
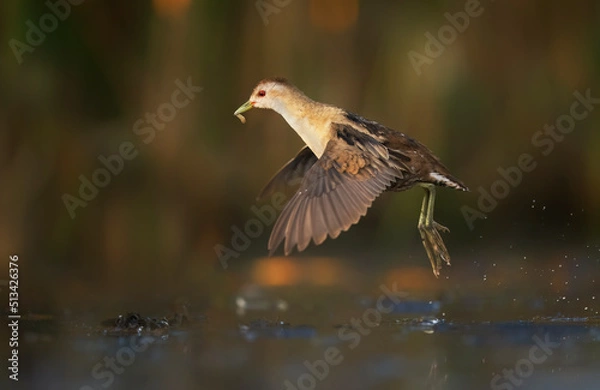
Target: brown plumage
(347, 163)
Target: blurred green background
(78, 95)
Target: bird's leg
(423, 231)
(429, 230)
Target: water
(336, 326)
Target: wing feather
(290, 175)
(336, 190)
(319, 224)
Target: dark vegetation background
(155, 226)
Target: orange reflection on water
(282, 271)
(324, 271)
(276, 271)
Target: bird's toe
(440, 227)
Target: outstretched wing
(291, 173)
(336, 191)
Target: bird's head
(269, 93)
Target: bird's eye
(261, 93)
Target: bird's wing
(291, 173)
(336, 191)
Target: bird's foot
(434, 245)
(440, 227)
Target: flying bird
(347, 162)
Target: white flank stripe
(442, 179)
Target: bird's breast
(314, 135)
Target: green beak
(243, 108)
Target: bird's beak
(244, 107)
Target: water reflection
(303, 330)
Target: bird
(346, 163)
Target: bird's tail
(447, 180)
